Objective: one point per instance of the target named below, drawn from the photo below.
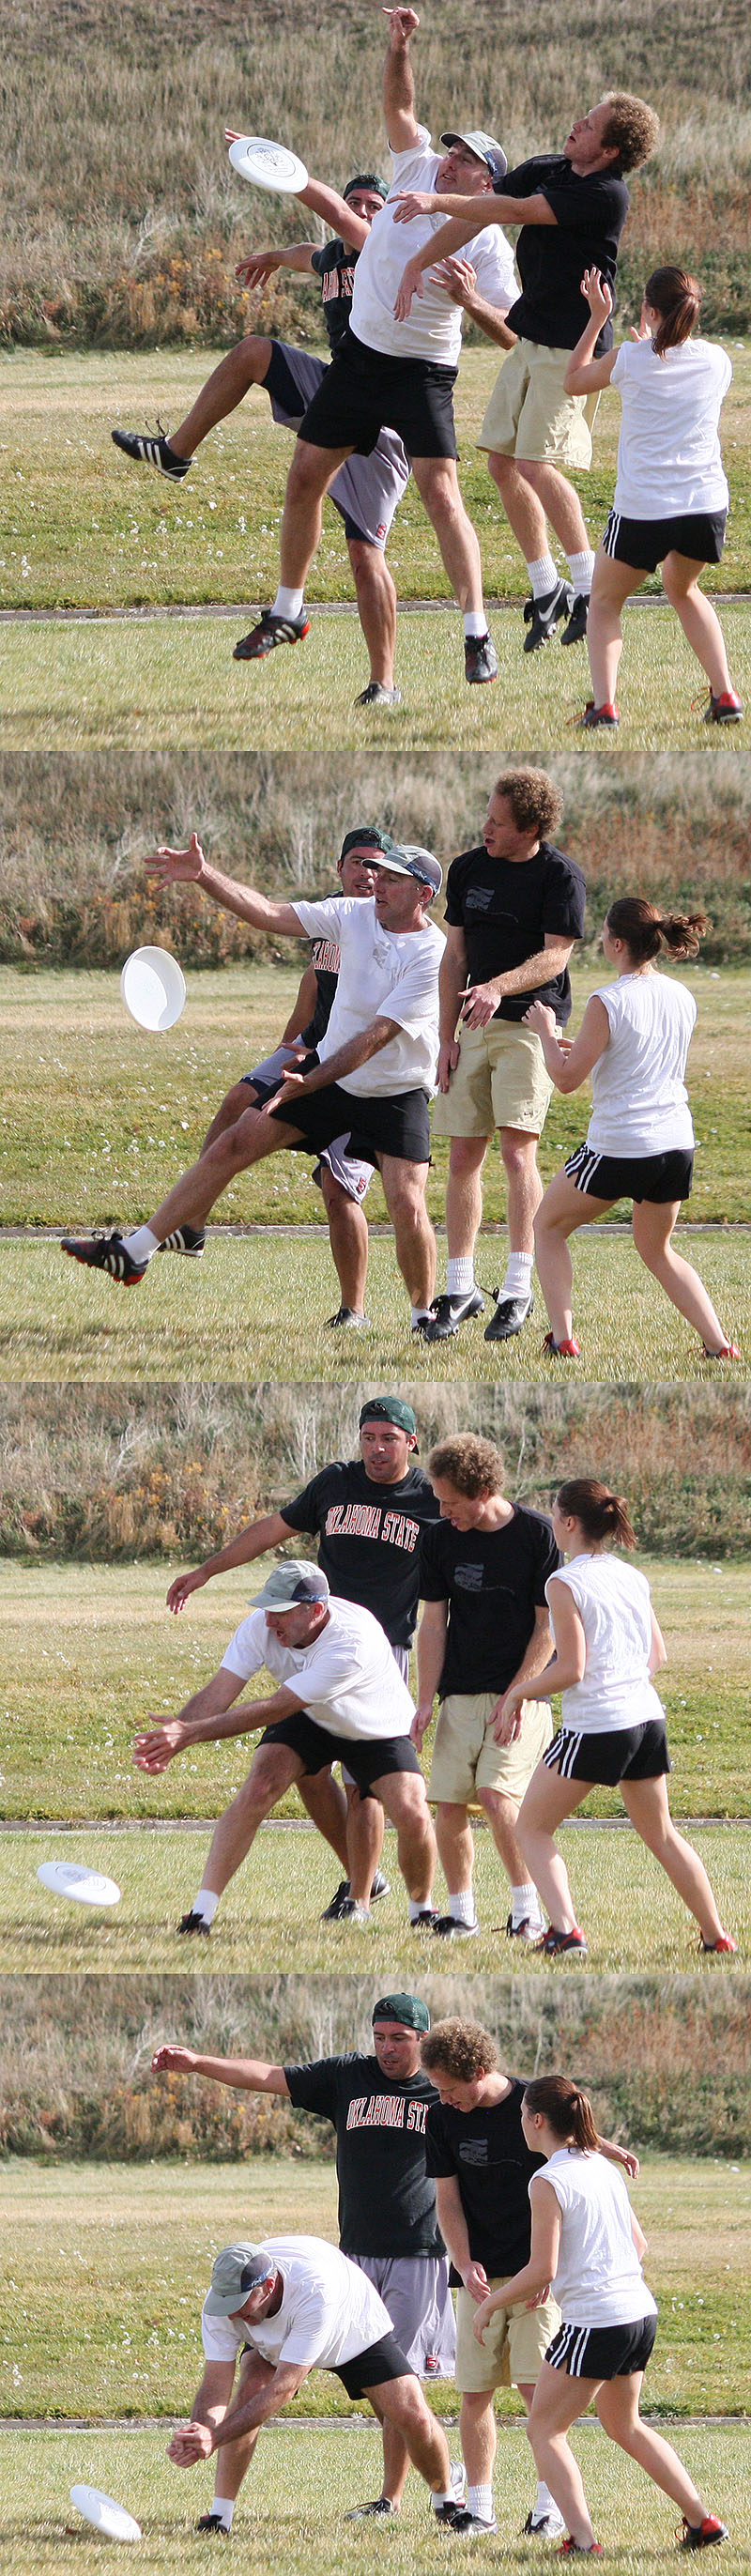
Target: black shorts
(364, 392)
(660, 1178)
(614, 1753)
(381, 2361)
(602, 2352)
(393, 1122)
(644, 543)
(366, 1758)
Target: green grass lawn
(90, 1649)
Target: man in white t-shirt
(341, 1699)
(401, 375)
(371, 1075)
(283, 2308)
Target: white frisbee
(106, 2516)
(86, 1886)
(153, 988)
(268, 165)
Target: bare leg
(234, 2458)
(618, 2409)
(559, 501)
(402, 1793)
(325, 1803)
(646, 1803)
(525, 513)
(560, 1213)
(311, 472)
(438, 486)
(404, 1186)
(365, 1827)
(652, 1228)
(519, 1151)
(502, 1814)
(376, 607)
(400, 2402)
(612, 585)
(395, 2464)
(700, 622)
(557, 2404)
(464, 1194)
(545, 1803)
(478, 2437)
(245, 365)
(348, 1237)
(250, 1139)
(456, 1846)
(232, 1107)
(271, 1772)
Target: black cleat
(576, 628)
(426, 1921)
(153, 451)
(450, 1312)
(472, 2526)
(480, 659)
(213, 2522)
(106, 1252)
(194, 1923)
(542, 615)
(510, 1314)
(376, 695)
(702, 2535)
(532, 1932)
(352, 1911)
(553, 1943)
(270, 630)
(363, 2512)
(185, 1238)
(450, 1928)
(346, 1319)
(332, 1912)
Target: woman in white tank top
(612, 1731)
(587, 2242)
(633, 1043)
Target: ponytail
(676, 298)
(567, 2110)
(645, 931)
(602, 1515)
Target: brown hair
(676, 296)
(632, 126)
(646, 930)
(535, 803)
(472, 1465)
(602, 1514)
(459, 2048)
(568, 2110)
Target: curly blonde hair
(632, 125)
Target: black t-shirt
(590, 214)
(386, 2201)
(334, 266)
(493, 1581)
(505, 907)
(485, 2149)
(370, 1539)
(324, 958)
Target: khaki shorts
(465, 1754)
(514, 2344)
(500, 1081)
(529, 414)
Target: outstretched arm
(191, 867)
(246, 2074)
(253, 1540)
(346, 1060)
(160, 1744)
(196, 2441)
(398, 81)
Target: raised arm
(253, 1540)
(398, 81)
(458, 279)
(585, 373)
(191, 867)
(245, 2074)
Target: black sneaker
(376, 695)
(213, 2522)
(426, 1920)
(542, 615)
(270, 630)
(576, 628)
(106, 1252)
(472, 2526)
(446, 2514)
(532, 1932)
(153, 451)
(723, 710)
(422, 1331)
(553, 1943)
(510, 1314)
(480, 659)
(702, 2535)
(185, 1238)
(450, 1312)
(380, 2504)
(544, 2526)
(352, 1911)
(346, 1319)
(332, 1913)
(449, 1928)
(194, 1923)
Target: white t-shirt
(613, 1601)
(329, 2312)
(383, 974)
(434, 326)
(599, 2281)
(348, 1679)
(639, 1097)
(669, 460)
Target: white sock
(417, 1906)
(460, 1275)
(142, 1243)
(525, 1904)
(438, 2500)
(288, 603)
(475, 621)
(205, 1904)
(462, 1906)
(544, 2501)
(543, 575)
(518, 1280)
(225, 2505)
(480, 2502)
(421, 1314)
(581, 568)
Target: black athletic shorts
(381, 2361)
(394, 1122)
(660, 1178)
(602, 2352)
(644, 543)
(364, 392)
(614, 1753)
(366, 1758)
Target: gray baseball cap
(237, 2270)
(485, 148)
(290, 1584)
(406, 859)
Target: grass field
(89, 1650)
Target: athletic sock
(518, 1280)
(142, 1243)
(475, 621)
(421, 1314)
(205, 1904)
(525, 1904)
(544, 2501)
(581, 568)
(438, 2500)
(462, 1906)
(288, 603)
(421, 1905)
(480, 2502)
(224, 2505)
(460, 1275)
(543, 576)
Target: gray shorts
(367, 490)
(417, 2295)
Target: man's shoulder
(559, 864)
(466, 863)
(332, 254)
(531, 174)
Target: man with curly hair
(572, 207)
(514, 909)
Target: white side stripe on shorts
(610, 539)
(572, 2344)
(561, 1754)
(582, 1168)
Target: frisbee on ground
(106, 2516)
(268, 165)
(86, 1886)
(153, 988)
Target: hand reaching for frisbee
(257, 270)
(180, 1591)
(171, 2060)
(191, 2442)
(174, 867)
(153, 1751)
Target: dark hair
(472, 1465)
(459, 2048)
(366, 179)
(632, 127)
(568, 2110)
(676, 296)
(602, 1514)
(535, 803)
(646, 930)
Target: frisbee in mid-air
(101, 2511)
(153, 988)
(86, 1886)
(268, 165)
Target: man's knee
(309, 471)
(519, 1152)
(404, 1190)
(438, 485)
(467, 1155)
(268, 1777)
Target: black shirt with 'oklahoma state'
(386, 2200)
